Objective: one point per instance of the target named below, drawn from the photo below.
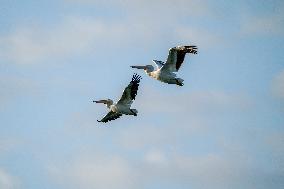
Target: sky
(223, 129)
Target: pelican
(165, 71)
(124, 104)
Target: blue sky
(223, 129)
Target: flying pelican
(124, 104)
(165, 71)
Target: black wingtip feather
(182, 50)
(191, 49)
(136, 78)
(113, 117)
(135, 84)
(191, 46)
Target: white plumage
(165, 70)
(124, 104)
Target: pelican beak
(139, 67)
(99, 101)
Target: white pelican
(165, 71)
(124, 104)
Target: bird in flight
(164, 71)
(124, 104)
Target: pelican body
(164, 72)
(124, 104)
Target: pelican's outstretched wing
(176, 57)
(130, 91)
(110, 116)
(158, 63)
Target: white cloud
(155, 127)
(272, 25)
(137, 155)
(195, 102)
(207, 169)
(141, 25)
(170, 8)
(7, 144)
(156, 157)
(94, 172)
(7, 181)
(278, 85)
(72, 36)
(149, 23)
(15, 86)
(77, 35)
(144, 136)
(202, 37)
(263, 24)
(213, 170)
(275, 142)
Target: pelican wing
(130, 91)
(110, 116)
(159, 63)
(176, 57)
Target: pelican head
(147, 68)
(108, 102)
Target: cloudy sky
(223, 129)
